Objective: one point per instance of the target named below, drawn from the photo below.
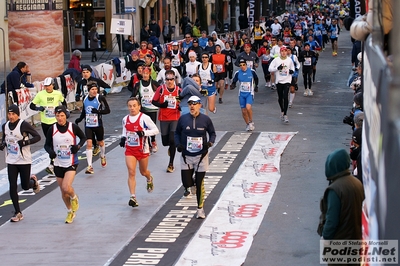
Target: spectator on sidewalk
(75, 61)
(154, 27)
(16, 79)
(130, 44)
(167, 31)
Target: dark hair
(21, 65)
(169, 72)
(133, 99)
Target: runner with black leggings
(18, 156)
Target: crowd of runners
(179, 89)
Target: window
(99, 3)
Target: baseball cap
(283, 48)
(247, 45)
(87, 68)
(14, 109)
(195, 40)
(194, 99)
(192, 53)
(241, 60)
(48, 81)
(175, 43)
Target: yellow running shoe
(103, 161)
(70, 217)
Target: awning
(144, 3)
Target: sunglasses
(193, 103)
(204, 57)
(170, 79)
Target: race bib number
(194, 144)
(132, 139)
(284, 72)
(49, 112)
(307, 61)
(171, 101)
(249, 64)
(176, 62)
(245, 86)
(229, 58)
(146, 101)
(13, 147)
(85, 90)
(317, 33)
(265, 58)
(219, 67)
(92, 120)
(287, 39)
(63, 152)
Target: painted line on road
(227, 233)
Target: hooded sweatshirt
(341, 205)
(191, 88)
(218, 41)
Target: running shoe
(103, 161)
(273, 87)
(193, 190)
(220, 100)
(154, 147)
(290, 104)
(285, 119)
(89, 170)
(247, 127)
(200, 214)
(96, 151)
(215, 110)
(133, 202)
(17, 217)
(282, 117)
(310, 92)
(75, 203)
(50, 169)
(150, 185)
(70, 217)
(266, 85)
(170, 168)
(305, 92)
(251, 126)
(186, 193)
(36, 186)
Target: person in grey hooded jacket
(191, 86)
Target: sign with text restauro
(35, 5)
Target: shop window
(99, 3)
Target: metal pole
(69, 35)
(5, 66)
(132, 24)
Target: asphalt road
(287, 234)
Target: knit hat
(191, 53)
(87, 68)
(135, 52)
(359, 119)
(13, 109)
(62, 109)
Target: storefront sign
(35, 5)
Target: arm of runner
(152, 129)
(78, 132)
(104, 107)
(28, 128)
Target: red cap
(283, 48)
(247, 45)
